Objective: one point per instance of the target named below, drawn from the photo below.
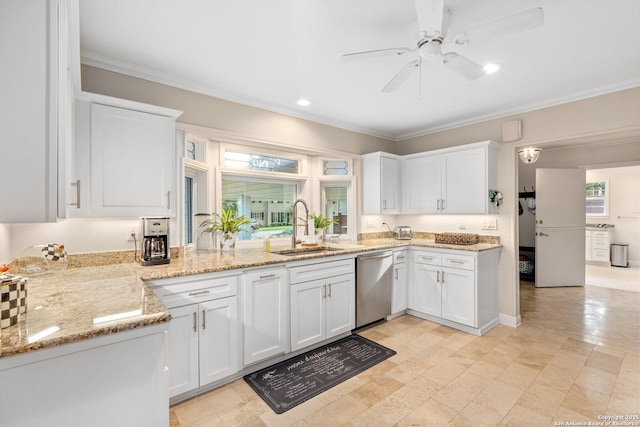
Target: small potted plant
(227, 225)
(320, 224)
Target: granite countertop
(87, 302)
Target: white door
(265, 300)
(183, 349)
(307, 313)
(218, 339)
(426, 296)
(560, 227)
(341, 303)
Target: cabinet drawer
(604, 234)
(320, 270)
(426, 257)
(600, 243)
(600, 255)
(464, 262)
(179, 294)
(399, 257)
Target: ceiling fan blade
(430, 17)
(399, 78)
(511, 24)
(376, 53)
(463, 66)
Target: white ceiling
(270, 53)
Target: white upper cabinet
(453, 181)
(40, 66)
(126, 158)
(380, 183)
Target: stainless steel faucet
(294, 235)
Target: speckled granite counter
(88, 302)
(82, 303)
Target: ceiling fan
(433, 21)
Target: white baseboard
(512, 321)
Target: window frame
(328, 181)
(605, 198)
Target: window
(335, 167)
(259, 162)
(338, 204)
(267, 203)
(597, 194)
(189, 203)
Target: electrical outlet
(491, 224)
(371, 224)
(130, 235)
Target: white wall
(5, 241)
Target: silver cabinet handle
(77, 185)
(543, 234)
(438, 204)
(426, 258)
(396, 277)
(267, 276)
(195, 321)
(443, 277)
(400, 257)
(438, 278)
(442, 204)
(204, 320)
(456, 261)
(384, 203)
(329, 290)
(193, 294)
(324, 291)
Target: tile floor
(575, 358)
(627, 279)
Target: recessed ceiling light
(303, 102)
(492, 68)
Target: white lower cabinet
(203, 335)
(399, 291)
(265, 311)
(456, 288)
(322, 302)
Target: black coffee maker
(155, 240)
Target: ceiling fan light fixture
(492, 68)
(303, 102)
(529, 155)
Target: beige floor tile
(245, 414)
(518, 375)
(541, 399)
(458, 340)
(568, 359)
(459, 392)
(340, 390)
(535, 359)
(431, 413)
(415, 393)
(519, 416)
(212, 421)
(475, 415)
(499, 397)
(558, 378)
(604, 362)
(207, 405)
(625, 398)
(586, 401)
(597, 380)
(567, 416)
(376, 389)
(407, 371)
(445, 371)
(336, 413)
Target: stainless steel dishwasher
(374, 279)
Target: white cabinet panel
(426, 293)
(265, 311)
(308, 318)
(399, 295)
(465, 188)
(341, 303)
(380, 183)
(183, 349)
(218, 339)
(133, 162)
(459, 296)
(423, 184)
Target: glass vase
(227, 241)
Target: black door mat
(291, 382)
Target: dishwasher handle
(376, 256)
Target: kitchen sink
(305, 251)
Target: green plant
(227, 222)
(321, 222)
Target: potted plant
(226, 225)
(320, 224)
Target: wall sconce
(529, 154)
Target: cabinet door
(132, 162)
(465, 182)
(218, 339)
(265, 300)
(587, 245)
(423, 181)
(399, 295)
(390, 185)
(458, 296)
(308, 318)
(341, 304)
(426, 296)
(183, 349)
